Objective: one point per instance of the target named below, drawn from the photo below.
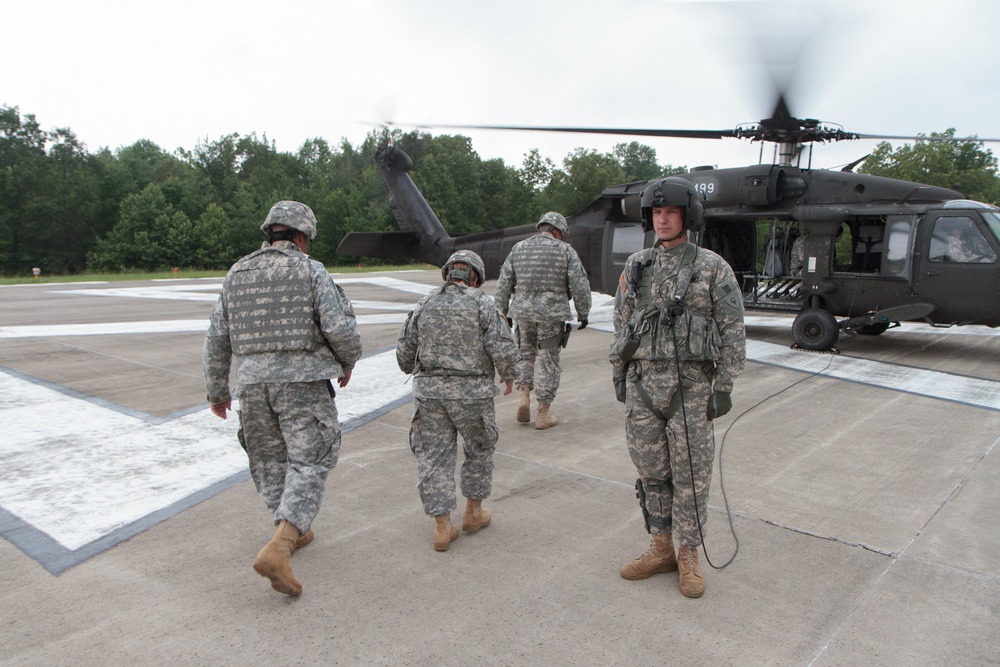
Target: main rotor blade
(922, 138)
(680, 134)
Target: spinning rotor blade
(680, 134)
(923, 138)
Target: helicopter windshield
(992, 219)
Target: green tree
(536, 171)
(22, 172)
(151, 234)
(638, 161)
(585, 174)
(67, 215)
(965, 165)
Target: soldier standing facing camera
(679, 345)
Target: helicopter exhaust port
(763, 185)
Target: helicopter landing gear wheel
(815, 329)
(874, 329)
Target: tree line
(67, 210)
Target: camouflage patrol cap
(474, 261)
(556, 220)
(293, 215)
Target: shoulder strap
(645, 282)
(683, 275)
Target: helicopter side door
(959, 269)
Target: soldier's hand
(509, 388)
(719, 404)
(343, 380)
(219, 409)
(583, 324)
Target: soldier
(965, 243)
(289, 329)
(543, 272)
(678, 346)
(796, 255)
(452, 342)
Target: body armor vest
(271, 303)
(540, 265)
(450, 337)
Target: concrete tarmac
(862, 489)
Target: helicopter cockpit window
(957, 239)
(897, 252)
(627, 239)
(992, 219)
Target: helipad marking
(77, 472)
(81, 476)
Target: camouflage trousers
(666, 451)
(434, 432)
(546, 381)
(292, 438)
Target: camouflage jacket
(543, 274)
(711, 327)
(495, 337)
(334, 315)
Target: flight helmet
(672, 191)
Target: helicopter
(875, 251)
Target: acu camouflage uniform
(711, 347)
(543, 273)
(290, 329)
(454, 342)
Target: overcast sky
(187, 71)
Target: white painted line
(78, 471)
(923, 382)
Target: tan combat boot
(659, 558)
(476, 516)
(303, 540)
(544, 419)
(444, 532)
(274, 560)
(524, 405)
(689, 572)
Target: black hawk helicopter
(874, 251)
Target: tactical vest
(451, 341)
(271, 303)
(540, 266)
(652, 331)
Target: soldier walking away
(679, 345)
(289, 329)
(542, 273)
(454, 343)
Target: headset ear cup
(695, 215)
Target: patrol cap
(556, 220)
(293, 215)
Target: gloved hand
(583, 324)
(620, 389)
(719, 404)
